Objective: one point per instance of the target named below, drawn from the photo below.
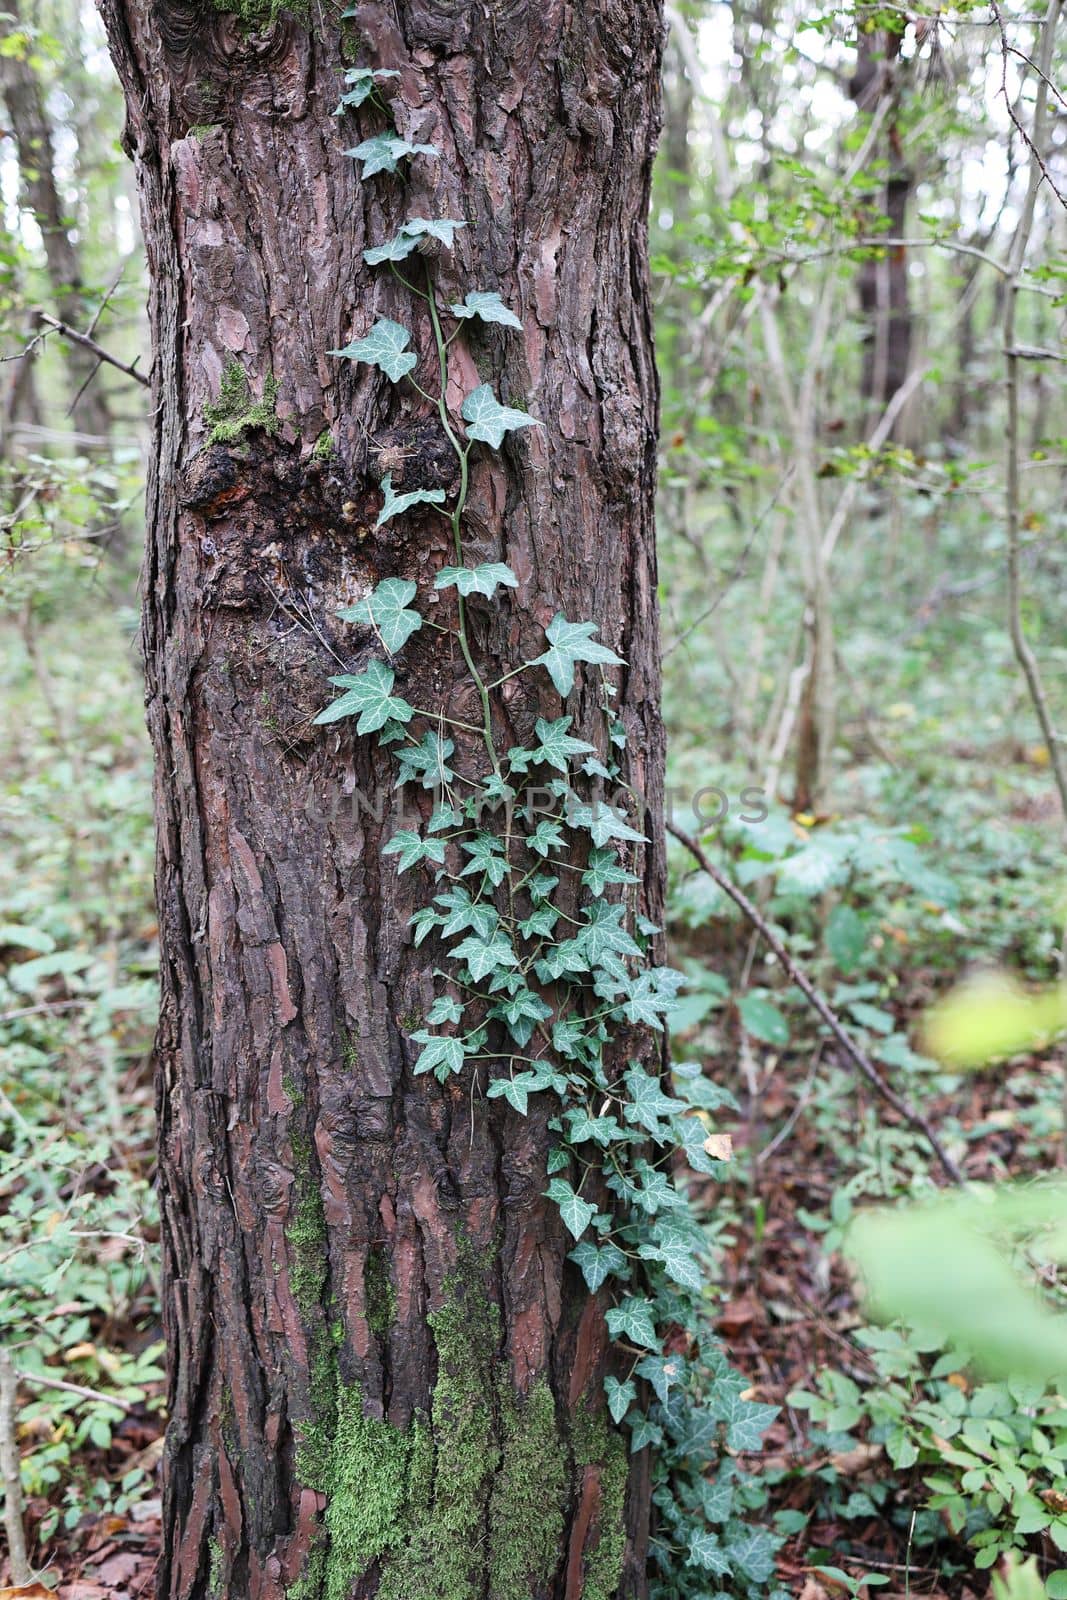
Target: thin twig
(1032, 142)
(816, 1000)
(1024, 652)
(37, 1380)
(98, 350)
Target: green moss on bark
(234, 413)
(445, 1557)
(379, 1296)
(468, 1503)
(597, 1444)
(526, 1511)
(256, 16)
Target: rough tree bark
(359, 1262)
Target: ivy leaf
(397, 503)
(541, 885)
(602, 821)
(697, 1145)
(577, 1213)
(647, 1103)
(603, 869)
(602, 933)
(486, 579)
(645, 1002)
(706, 1552)
(599, 1262)
(445, 1009)
(424, 921)
(570, 642)
(443, 816)
(410, 236)
(545, 838)
(699, 1091)
(661, 1372)
(385, 150)
(513, 1090)
(620, 1396)
(385, 610)
(395, 249)
(370, 694)
(484, 956)
(443, 229)
(678, 1262)
(427, 760)
(522, 1011)
(362, 81)
(633, 1320)
(443, 1054)
(567, 1035)
(486, 304)
(540, 924)
(555, 745)
(644, 1431)
(746, 1421)
(411, 849)
(654, 1192)
(581, 1127)
(752, 1552)
(385, 346)
(488, 420)
(463, 913)
(487, 855)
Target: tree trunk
(22, 97)
(359, 1260)
(883, 283)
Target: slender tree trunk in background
(883, 283)
(355, 1256)
(39, 192)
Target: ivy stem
(463, 455)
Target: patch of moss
(471, 1501)
(310, 1583)
(324, 446)
(379, 1296)
(445, 1557)
(200, 130)
(597, 1444)
(376, 1483)
(234, 413)
(214, 1576)
(256, 16)
(526, 1511)
(306, 1233)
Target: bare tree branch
(858, 1058)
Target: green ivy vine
(534, 995)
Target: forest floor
(77, 959)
